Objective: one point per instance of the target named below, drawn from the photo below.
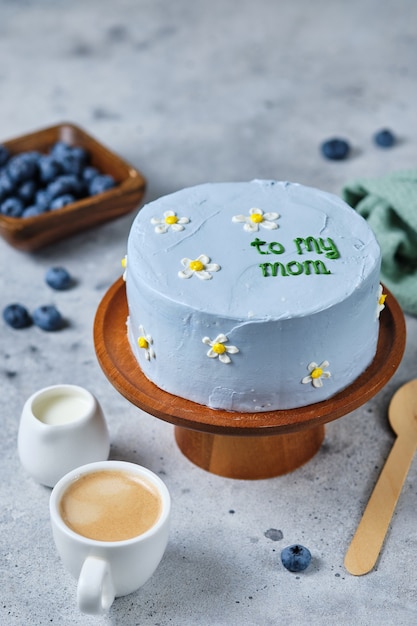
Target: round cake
(252, 296)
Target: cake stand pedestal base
(249, 457)
(240, 445)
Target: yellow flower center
(317, 372)
(124, 262)
(382, 298)
(257, 218)
(218, 348)
(171, 219)
(142, 343)
(196, 266)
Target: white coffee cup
(106, 569)
(61, 427)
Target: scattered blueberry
(48, 318)
(12, 207)
(4, 155)
(101, 183)
(384, 138)
(16, 316)
(58, 278)
(335, 149)
(296, 558)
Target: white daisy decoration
(317, 374)
(170, 220)
(145, 342)
(200, 267)
(255, 219)
(124, 265)
(219, 349)
(381, 301)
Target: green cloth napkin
(389, 204)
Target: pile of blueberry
(32, 183)
(46, 317)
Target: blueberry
(63, 185)
(61, 201)
(57, 188)
(16, 316)
(4, 155)
(12, 207)
(384, 138)
(296, 558)
(60, 148)
(335, 149)
(73, 160)
(6, 185)
(42, 200)
(58, 278)
(71, 164)
(81, 153)
(101, 183)
(32, 211)
(49, 168)
(48, 317)
(26, 191)
(89, 172)
(22, 167)
(31, 155)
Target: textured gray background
(192, 92)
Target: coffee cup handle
(95, 591)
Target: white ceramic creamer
(61, 428)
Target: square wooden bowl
(35, 232)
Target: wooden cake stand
(240, 445)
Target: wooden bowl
(35, 232)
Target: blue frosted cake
(252, 296)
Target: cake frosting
(252, 296)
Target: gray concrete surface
(192, 92)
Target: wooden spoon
(369, 537)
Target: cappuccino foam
(111, 505)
